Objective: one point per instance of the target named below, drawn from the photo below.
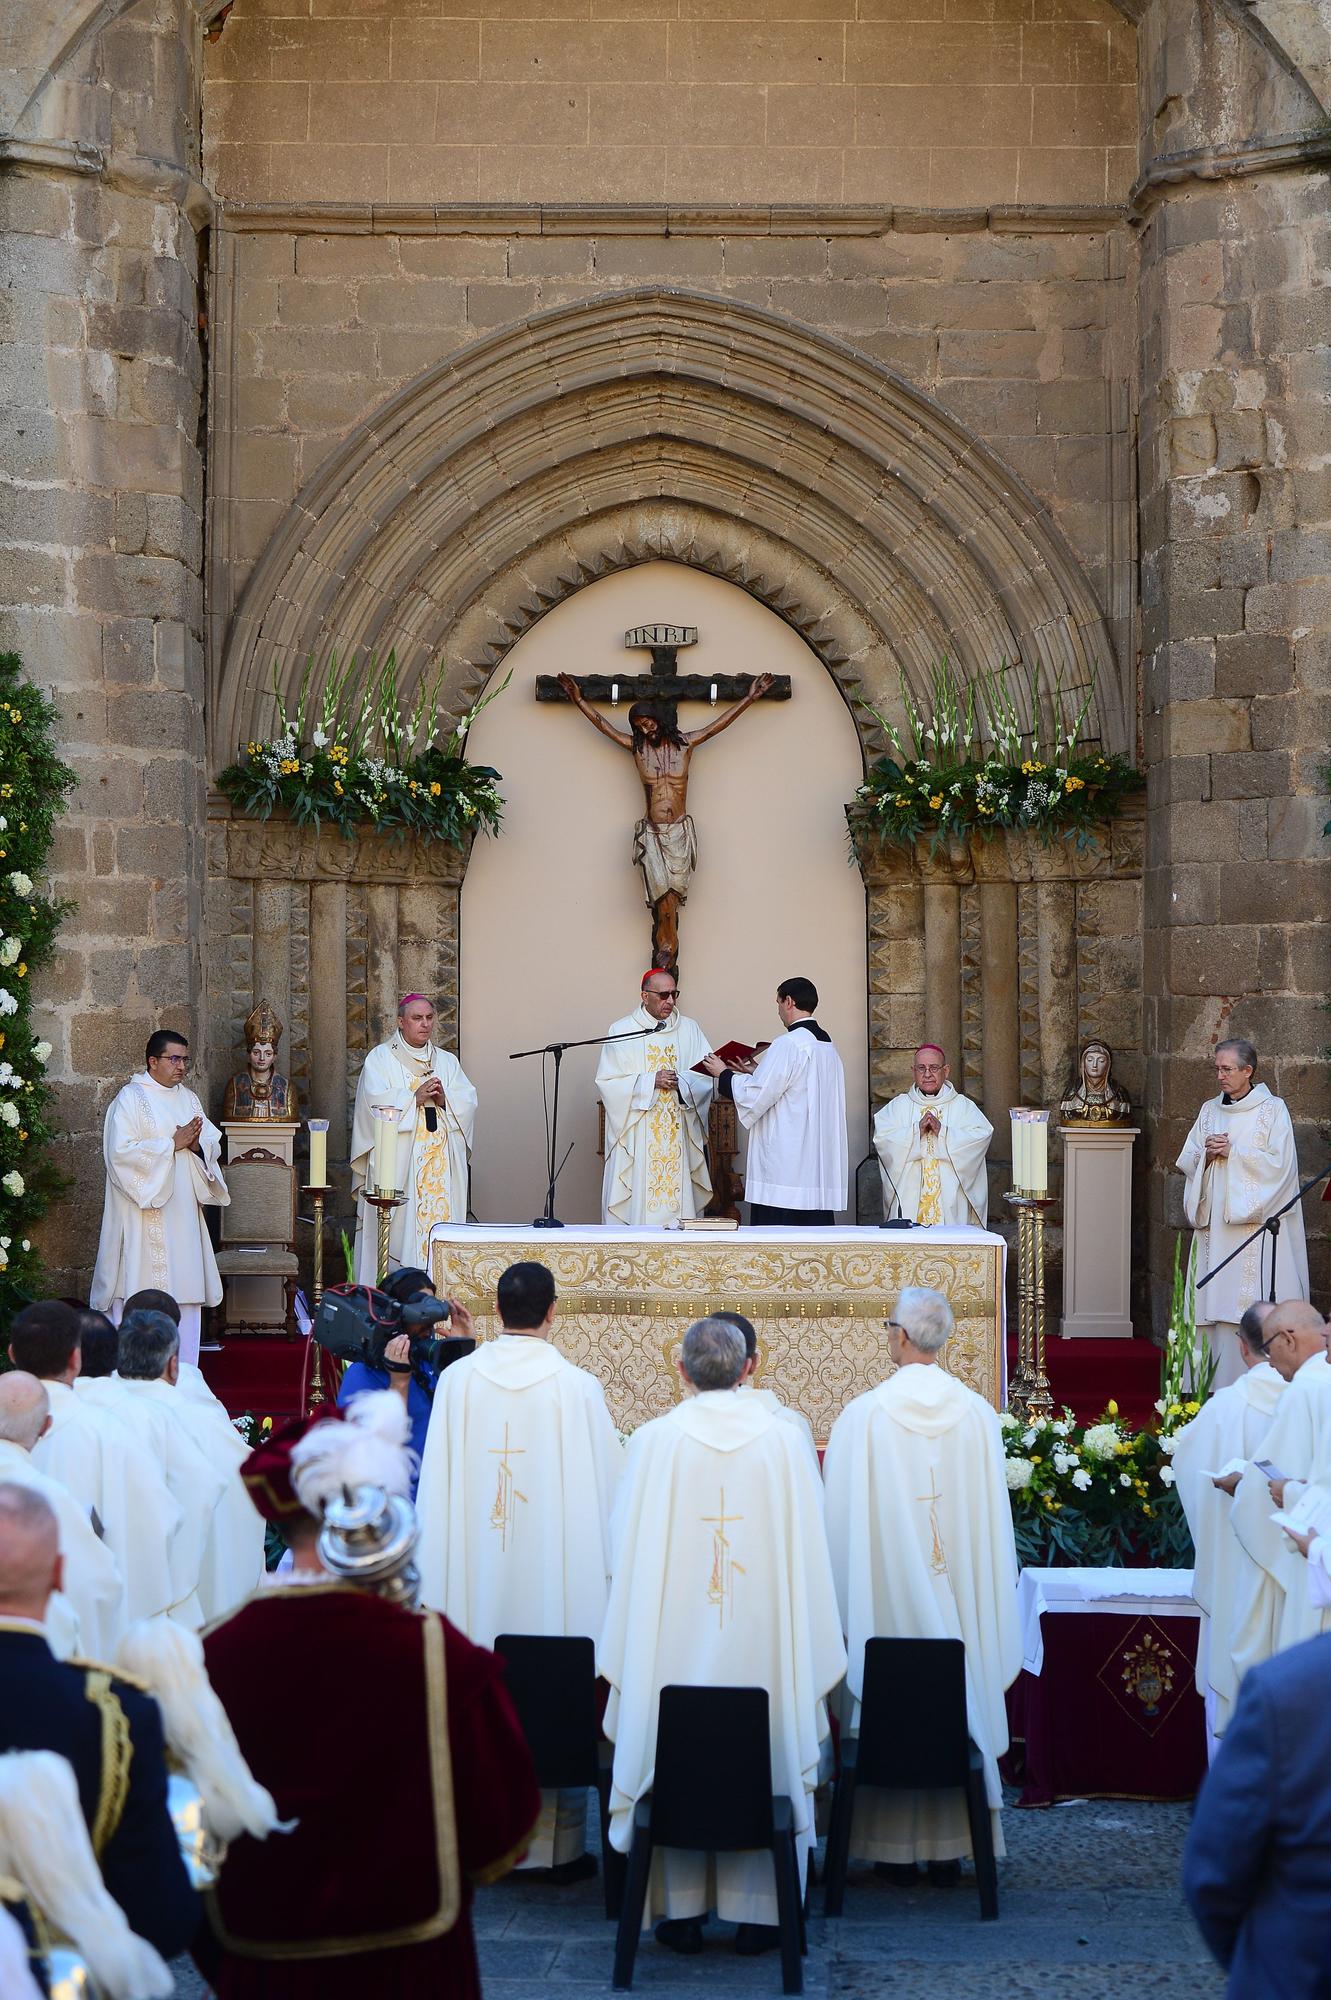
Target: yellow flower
(436, 789)
(1076, 784)
(1123, 1448)
(267, 1424)
(1192, 1408)
(1111, 1407)
(337, 786)
(412, 786)
(1031, 767)
(249, 749)
(22, 969)
(935, 801)
(22, 1134)
(2, 1041)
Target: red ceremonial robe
(428, 1790)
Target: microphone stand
(556, 1049)
(1271, 1228)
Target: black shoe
(581, 1869)
(681, 1934)
(944, 1874)
(753, 1939)
(904, 1874)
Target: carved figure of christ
(665, 846)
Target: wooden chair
(258, 1231)
(552, 1685)
(913, 1737)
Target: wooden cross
(664, 682)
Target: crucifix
(665, 845)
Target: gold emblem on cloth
(721, 1583)
(504, 1513)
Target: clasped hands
(186, 1137)
(429, 1092)
(1217, 1146)
(929, 1124)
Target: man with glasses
(1241, 1166)
(933, 1145)
(161, 1155)
(655, 1112)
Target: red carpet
(1086, 1373)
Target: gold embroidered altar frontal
(817, 1299)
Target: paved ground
(1089, 1905)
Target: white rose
(1081, 1479)
(10, 950)
(8, 1004)
(1061, 1462)
(1123, 1479)
(1060, 1429)
(9, 1112)
(26, 1244)
(1028, 1437)
(13, 1183)
(1019, 1473)
(20, 883)
(42, 1051)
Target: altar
(817, 1298)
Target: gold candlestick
(385, 1200)
(1028, 1391)
(317, 1196)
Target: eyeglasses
(663, 992)
(1279, 1334)
(894, 1325)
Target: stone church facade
(987, 328)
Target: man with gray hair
(87, 1613)
(1241, 1167)
(720, 1578)
(920, 1530)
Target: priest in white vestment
(434, 1108)
(792, 1103)
(190, 1379)
(748, 1383)
(933, 1145)
(93, 1454)
(920, 1529)
(142, 1394)
(721, 1579)
(1241, 1167)
(161, 1153)
(86, 1616)
(518, 1478)
(1230, 1427)
(655, 1112)
(1295, 1336)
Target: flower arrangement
(1187, 1366)
(1097, 1493)
(947, 783)
(352, 758)
(33, 787)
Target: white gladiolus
(1166, 1475)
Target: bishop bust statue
(258, 1091)
(1094, 1098)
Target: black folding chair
(552, 1685)
(713, 1791)
(913, 1738)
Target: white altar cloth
(1140, 1593)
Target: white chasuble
(518, 1478)
(153, 1233)
(721, 1579)
(86, 1616)
(941, 1177)
(793, 1107)
(1291, 1445)
(655, 1167)
(194, 1484)
(98, 1458)
(1226, 1200)
(233, 1557)
(1233, 1424)
(431, 1166)
(920, 1530)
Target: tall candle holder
(385, 1200)
(1028, 1390)
(318, 1196)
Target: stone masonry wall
(101, 513)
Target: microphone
(897, 1221)
(431, 1118)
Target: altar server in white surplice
(518, 1478)
(436, 1118)
(792, 1103)
(86, 1616)
(161, 1155)
(143, 1395)
(1232, 1425)
(721, 1580)
(1295, 1336)
(1241, 1167)
(93, 1454)
(920, 1529)
(933, 1144)
(655, 1112)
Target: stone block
(1201, 831)
(307, 302)
(499, 305)
(780, 257)
(1249, 774)
(448, 52)
(170, 795)
(329, 257)
(714, 174)
(361, 113)
(592, 173)
(61, 979)
(1291, 722)
(402, 302)
(997, 354)
(109, 907)
(161, 853)
(32, 576)
(954, 52)
(110, 1044)
(1296, 828)
(156, 720)
(670, 258)
(330, 402)
(1310, 972)
(434, 174)
(773, 52)
(852, 306)
(341, 173)
(463, 256)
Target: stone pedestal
(1097, 1230)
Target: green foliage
(1096, 1494)
(33, 787)
(365, 764)
(945, 784)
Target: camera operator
(415, 1383)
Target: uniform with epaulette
(110, 1731)
(428, 1790)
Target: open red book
(732, 1052)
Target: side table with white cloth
(1106, 1703)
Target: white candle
(1038, 1127)
(713, 694)
(318, 1128)
(384, 1170)
(1018, 1150)
(614, 694)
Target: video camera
(356, 1323)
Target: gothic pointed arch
(874, 509)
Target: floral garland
(33, 787)
(1097, 1494)
(945, 785)
(323, 767)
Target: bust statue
(1093, 1097)
(258, 1091)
